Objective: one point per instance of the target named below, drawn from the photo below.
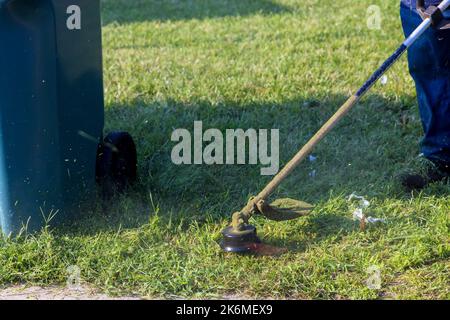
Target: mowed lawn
(284, 64)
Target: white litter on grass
(358, 213)
(312, 158)
(384, 80)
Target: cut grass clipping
(281, 64)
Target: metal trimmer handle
(444, 5)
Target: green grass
(253, 64)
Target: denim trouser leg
(429, 65)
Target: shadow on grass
(126, 11)
(358, 156)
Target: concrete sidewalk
(23, 292)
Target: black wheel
(116, 163)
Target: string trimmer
(240, 236)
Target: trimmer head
(240, 237)
(242, 241)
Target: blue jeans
(429, 65)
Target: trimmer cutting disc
(241, 241)
(245, 240)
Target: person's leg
(429, 65)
